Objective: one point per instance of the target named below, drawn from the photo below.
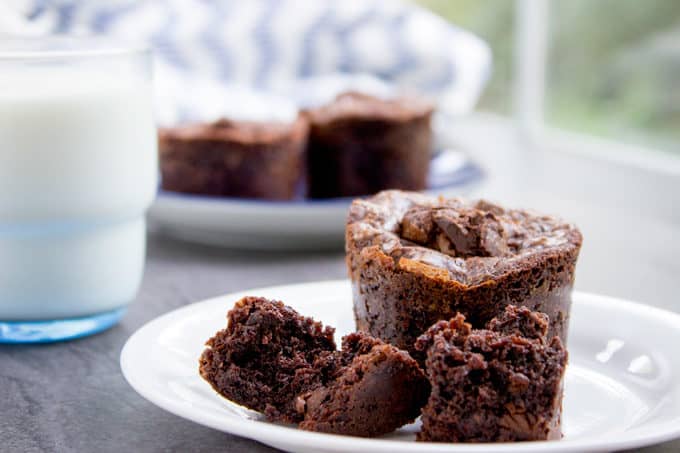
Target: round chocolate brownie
(360, 145)
(235, 158)
(414, 260)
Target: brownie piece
(414, 260)
(359, 145)
(235, 158)
(271, 359)
(380, 389)
(267, 354)
(503, 383)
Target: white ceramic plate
(622, 387)
(291, 225)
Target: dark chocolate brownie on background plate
(264, 160)
(503, 383)
(359, 145)
(273, 360)
(414, 260)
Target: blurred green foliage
(613, 70)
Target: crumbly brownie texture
(359, 145)
(267, 354)
(235, 158)
(414, 260)
(380, 389)
(499, 384)
(275, 361)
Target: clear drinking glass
(78, 170)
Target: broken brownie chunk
(267, 354)
(380, 389)
(271, 359)
(502, 383)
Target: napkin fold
(298, 50)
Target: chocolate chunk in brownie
(502, 383)
(456, 231)
(380, 389)
(273, 360)
(417, 225)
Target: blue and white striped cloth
(304, 50)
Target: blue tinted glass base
(58, 330)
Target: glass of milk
(78, 169)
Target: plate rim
(285, 435)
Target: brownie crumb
(502, 383)
(520, 321)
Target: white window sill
(626, 203)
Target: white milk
(78, 170)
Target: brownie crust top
(468, 242)
(234, 131)
(358, 106)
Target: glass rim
(65, 47)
